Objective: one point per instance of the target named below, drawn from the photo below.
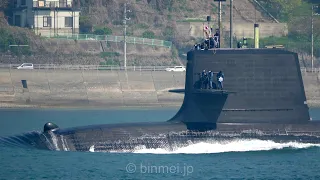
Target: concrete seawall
(92, 88)
(311, 83)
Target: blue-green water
(255, 159)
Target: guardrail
(110, 38)
(88, 67)
(109, 67)
(314, 70)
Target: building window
(62, 3)
(46, 21)
(68, 22)
(23, 2)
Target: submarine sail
(267, 86)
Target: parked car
(25, 66)
(176, 69)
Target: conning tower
(260, 86)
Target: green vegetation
(148, 34)
(111, 58)
(192, 20)
(109, 54)
(168, 33)
(282, 9)
(9, 38)
(110, 62)
(291, 43)
(297, 14)
(102, 31)
(85, 24)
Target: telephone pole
(220, 24)
(231, 23)
(125, 34)
(220, 19)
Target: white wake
(228, 146)
(91, 149)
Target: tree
(148, 34)
(3, 4)
(102, 31)
(85, 24)
(281, 9)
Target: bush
(169, 33)
(102, 31)
(85, 24)
(148, 34)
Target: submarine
(263, 98)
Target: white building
(47, 17)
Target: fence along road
(108, 67)
(110, 38)
(88, 67)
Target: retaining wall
(77, 88)
(90, 88)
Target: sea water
(236, 159)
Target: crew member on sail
(220, 77)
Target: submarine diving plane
(263, 98)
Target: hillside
(161, 16)
(148, 18)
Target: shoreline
(87, 107)
(103, 107)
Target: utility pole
(231, 23)
(125, 34)
(220, 20)
(220, 32)
(312, 24)
(312, 38)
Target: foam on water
(54, 141)
(91, 149)
(229, 146)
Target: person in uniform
(203, 79)
(220, 78)
(217, 39)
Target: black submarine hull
(114, 138)
(164, 135)
(263, 98)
